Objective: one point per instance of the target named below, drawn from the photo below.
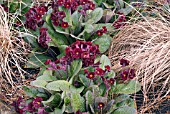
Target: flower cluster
(34, 17)
(44, 37)
(57, 18)
(99, 72)
(86, 51)
(35, 106)
(120, 22)
(74, 4)
(127, 73)
(101, 31)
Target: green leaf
(75, 18)
(132, 87)
(59, 85)
(104, 60)
(47, 76)
(36, 60)
(31, 92)
(77, 102)
(57, 38)
(111, 74)
(88, 28)
(96, 15)
(99, 26)
(121, 98)
(68, 15)
(13, 7)
(128, 102)
(103, 42)
(126, 10)
(54, 100)
(58, 111)
(125, 110)
(84, 80)
(89, 98)
(76, 66)
(98, 2)
(76, 90)
(39, 83)
(108, 5)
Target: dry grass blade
(148, 48)
(12, 48)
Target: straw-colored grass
(147, 45)
(12, 48)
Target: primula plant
(81, 82)
(69, 40)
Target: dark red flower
(41, 10)
(86, 71)
(104, 29)
(91, 75)
(38, 17)
(17, 105)
(124, 62)
(94, 49)
(47, 61)
(61, 14)
(67, 5)
(120, 21)
(44, 37)
(4, 7)
(60, 2)
(99, 71)
(37, 102)
(77, 53)
(64, 24)
(40, 23)
(79, 112)
(91, 5)
(132, 73)
(107, 68)
(83, 2)
(85, 55)
(99, 32)
(42, 111)
(31, 23)
(100, 105)
(111, 81)
(125, 74)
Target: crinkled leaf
(75, 18)
(121, 98)
(99, 26)
(36, 60)
(109, 105)
(103, 42)
(132, 87)
(96, 15)
(89, 98)
(59, 85)
(104, 60)
(32, 92)
(84, 80)
(125, 110)
(76, 66)
(76, 90)
(77, 102)
(39, 83)
(126, 10)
